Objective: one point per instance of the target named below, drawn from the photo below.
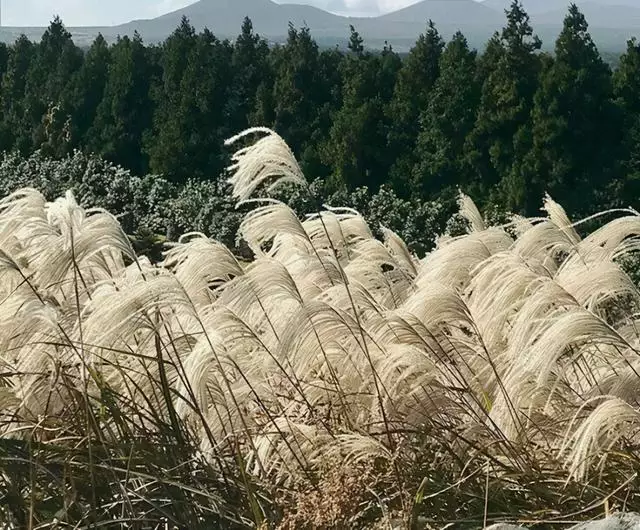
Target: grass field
(334, 382)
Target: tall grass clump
(334, 381)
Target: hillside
(224, 17)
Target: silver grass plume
(268, 159)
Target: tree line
(505, 125)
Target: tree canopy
(506, 124)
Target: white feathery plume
(115, 315)
(598, 433)
(291, 357)
(202, 266)
(336, 229)
(520, 224)
(352, 449)
(615, 232)
(454, 262)
(400, 251)
(593, 286)
(559, 217)
(498, 290)
(264, 223)
(267, 159)
(470, 212)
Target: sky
(109, 12)
(84, 12)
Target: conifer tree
(198, 128)
(124, 114)
(15, 126)
(626, 82)
(301, 89)
(4, 58)
(88, 88)
(360, 125)
(510, 82)
(575, 124)
(446, 122)
(356, 42)
(48, 94)
(166, 145)
(416, 78)
(250, 69)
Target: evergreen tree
(299, 92)
(189, 142)
(416, 78)
(4, 59)
(48, 97)
(14, 122)
(510, 75)
(356, 42)
(312, 160)
(576, 127)
(171, 127)
(89, 87)
(125, 112)
(360, 126)
(250, 69)
(626, 82)
(446, 122)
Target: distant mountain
(460, 13)
(612, 22)
(224, 18)
(402, 27)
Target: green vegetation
(506, 124)
(322, 333)
(332, 381)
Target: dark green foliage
(48, 101)
(505, 125)
(576, 127)
(626, 81)
(189, 122)
(355, 147)
(416, 78)
(356, 42)
(299, 89)
(125, 112)
(88, 89)
(250, 72)
(446, 122)
(4, 58)
(510, 77)
(14, 82)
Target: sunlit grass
(333, 381)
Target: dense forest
(506, 125)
